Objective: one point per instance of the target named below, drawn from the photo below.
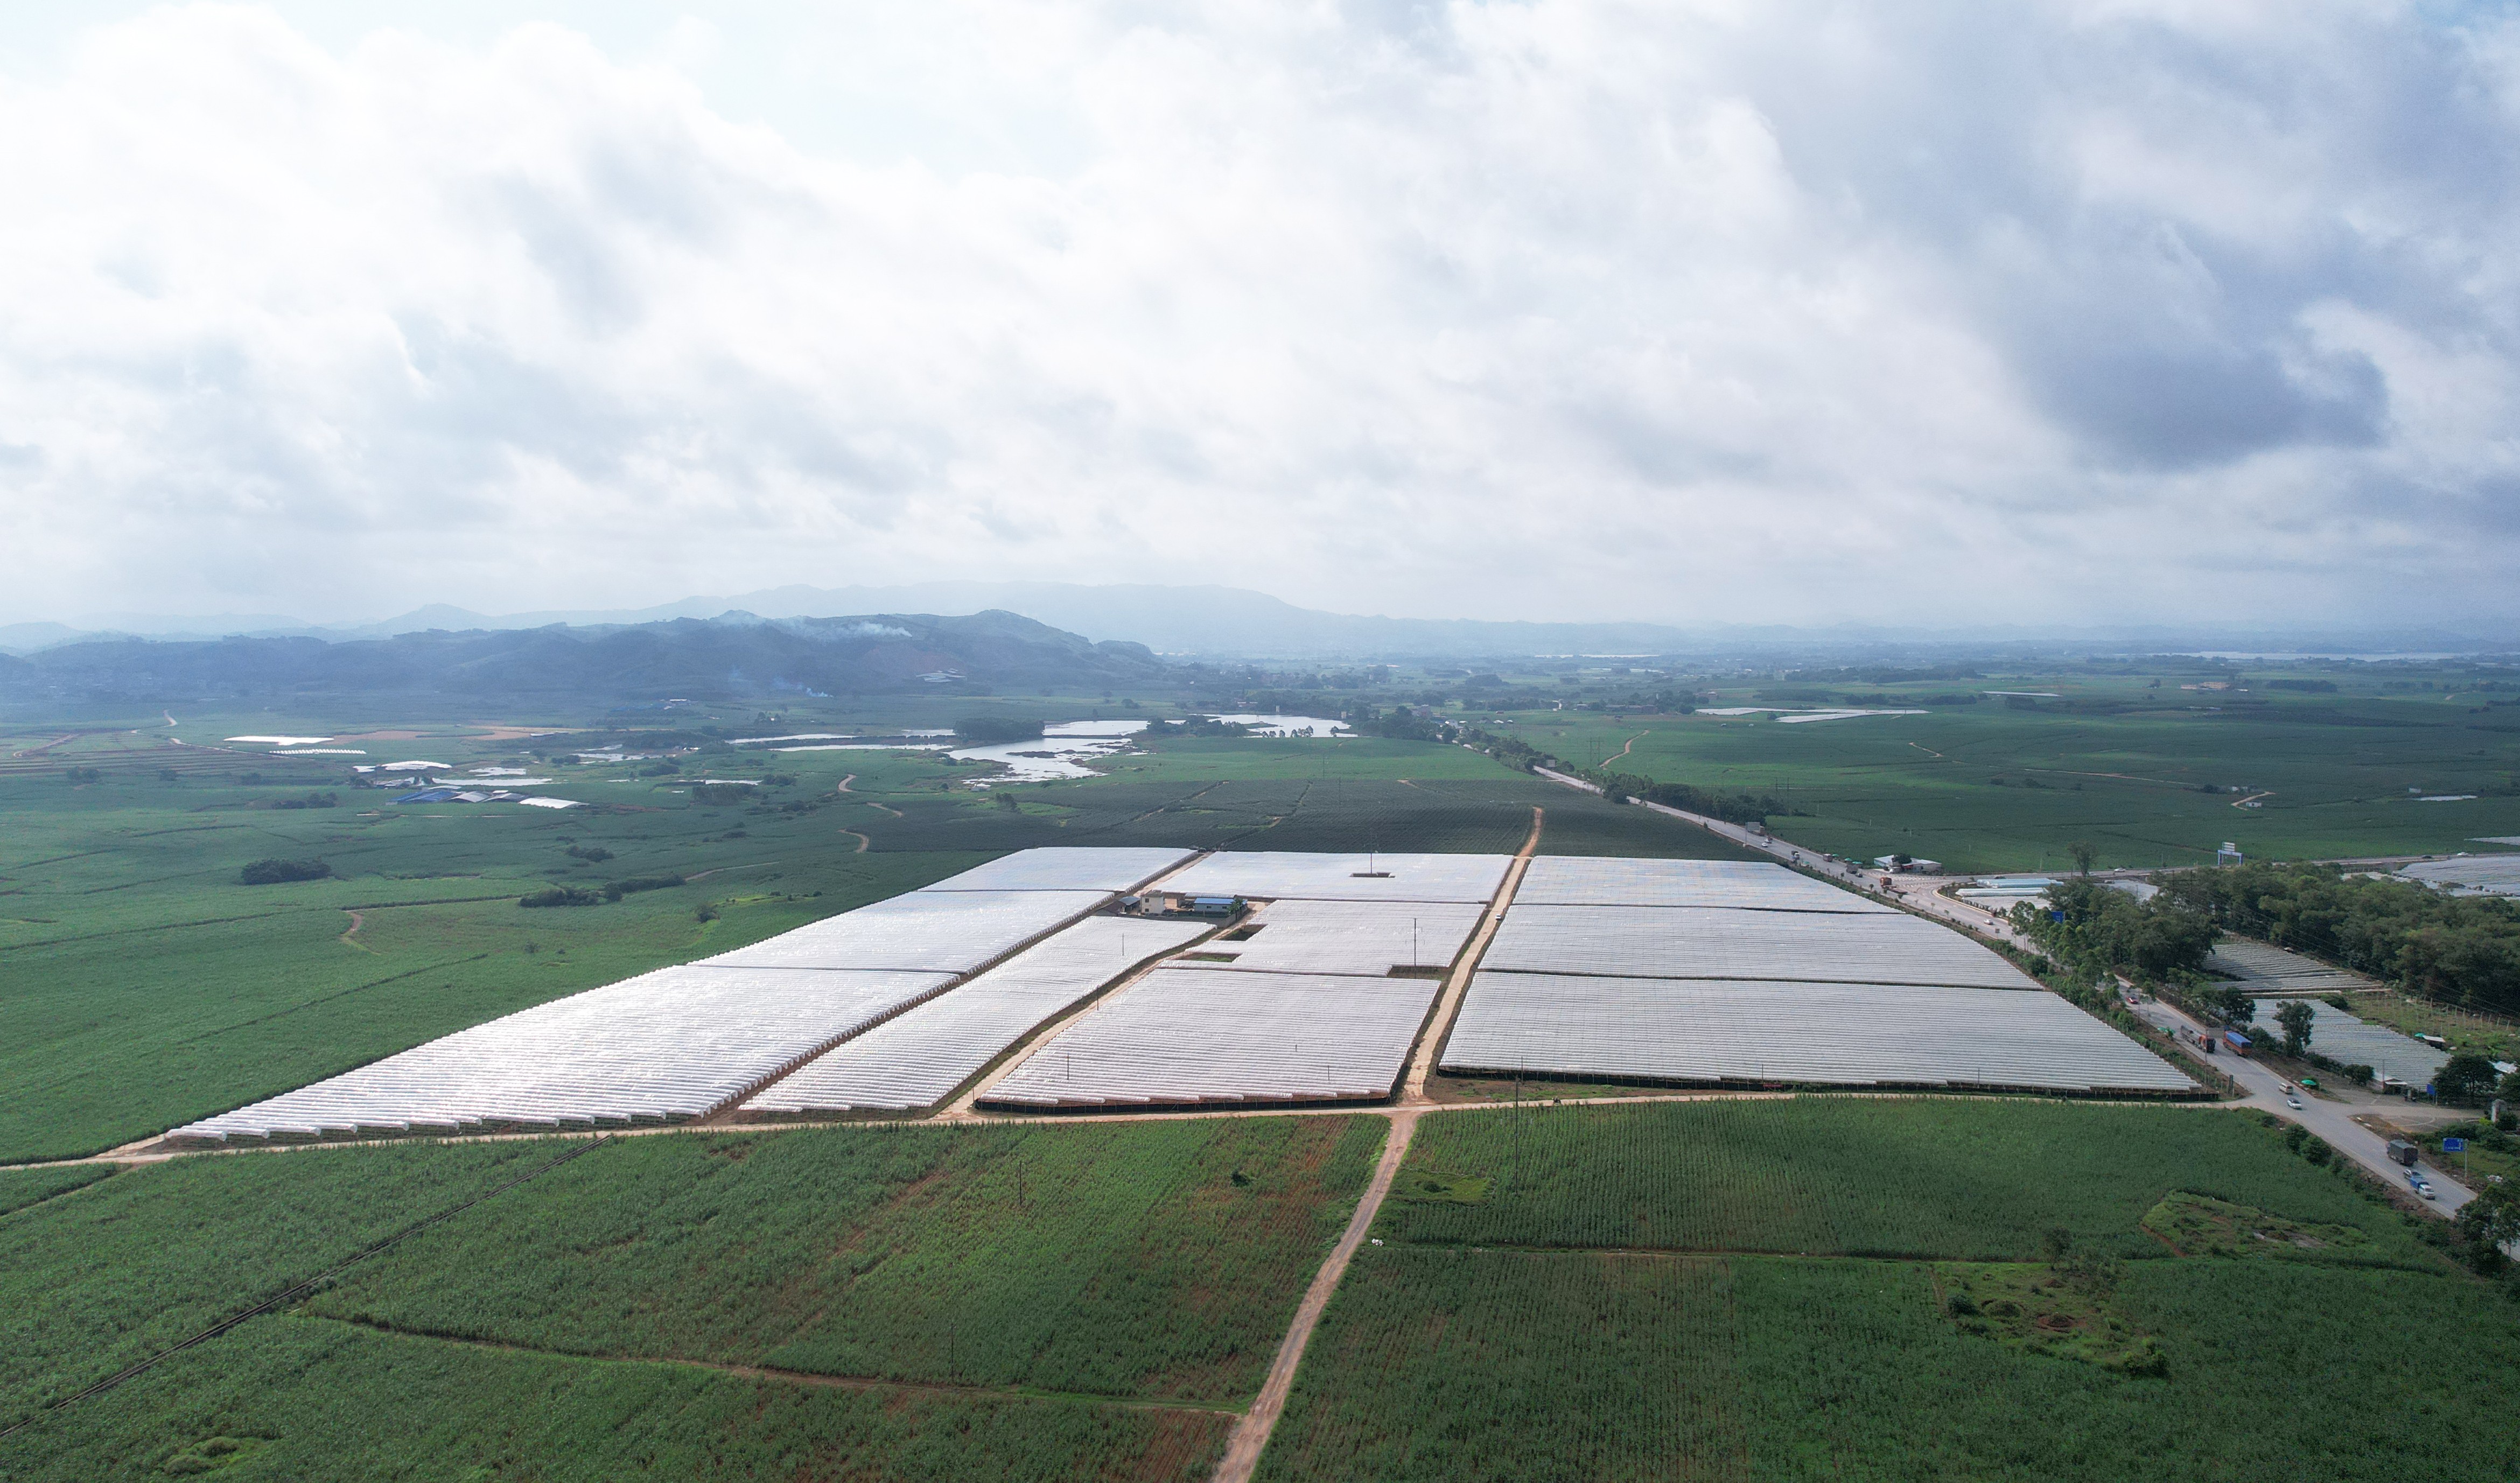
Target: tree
(2466, 1077)
(2296, 1018)
(2229, 1003)
(2083, 855)
(275, 872)
(2490, 1222)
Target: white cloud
(1559, 309)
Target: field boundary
(806, 1378)
(148, 1151)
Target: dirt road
(1243, 1450)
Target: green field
(327, 1403)
(1145, 1260)
(2111, 760)
(1537, 1368)
(1607, 1316)
(95, 1282)
(1093, 1299)
(1980, 1179)
(22, 1188)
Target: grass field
(1554, 1368)
(1998, 785)
(1968, 1179)
(1103, 1294)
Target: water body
(1288, 726)
(1062, 751)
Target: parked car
(2293, 1102)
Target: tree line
(2454, 950)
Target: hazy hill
(1232, 622)
(736, 656)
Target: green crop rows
(1053, 1258)
(1103, 1294)
(303, 1399)
(1578, 1367)
(94, 1283)
(23, 1188)
(1672, 1350)
(1970, 1179)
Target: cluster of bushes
(2096, 929)
(586, 895)
(1400, 723)
(2454, 950)
(1195, 726)
(274, 872)
(80, 775)
(312, 800)
(1731, 808)
(1512, 752)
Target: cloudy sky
(1750, 310)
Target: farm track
(1430, 1043)
(298, 1291)
(1251, 1437)
(722, 870)
(804, 1377)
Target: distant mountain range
(738, 657)
(1230, 622)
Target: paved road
(1922, 893)
(2332, 1121)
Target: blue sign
(2454, 1145)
